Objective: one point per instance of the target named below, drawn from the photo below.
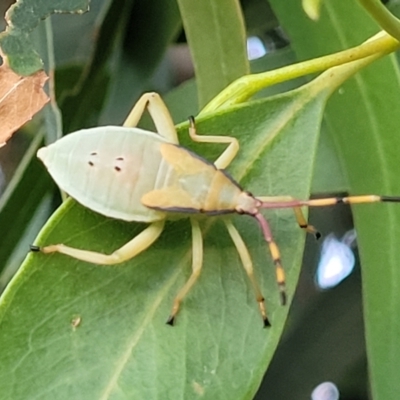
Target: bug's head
(250, 205)
(247, 204)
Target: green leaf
(374, 168)
(328, 176)
(363, 119)
(217, 41)
(121, 347)
(22, 18)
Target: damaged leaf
(21, 97)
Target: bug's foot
(34, 248)
(283, 296)
(267, 324)
(263, 311)
(174, 311)
(311, 229)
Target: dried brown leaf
(21, 97)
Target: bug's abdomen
(109, 170)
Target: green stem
(245, 87)
(386, 20)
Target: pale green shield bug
(132, 174)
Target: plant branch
(245, 87)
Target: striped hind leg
(275, 254)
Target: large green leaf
(363, 119)
(75, 330)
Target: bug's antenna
(290, 202)
(275, 254)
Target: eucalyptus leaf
(77, 330)
(217, 41)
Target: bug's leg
(300, 218)
(248, 266)
(158, 112)
(139, 243)
(229, 153)
(275, 254)
(197, 263)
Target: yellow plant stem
(312, 8)
(246, 86)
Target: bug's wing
(172, 199)
(184, 161)
(190, 185)
(195, 185)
